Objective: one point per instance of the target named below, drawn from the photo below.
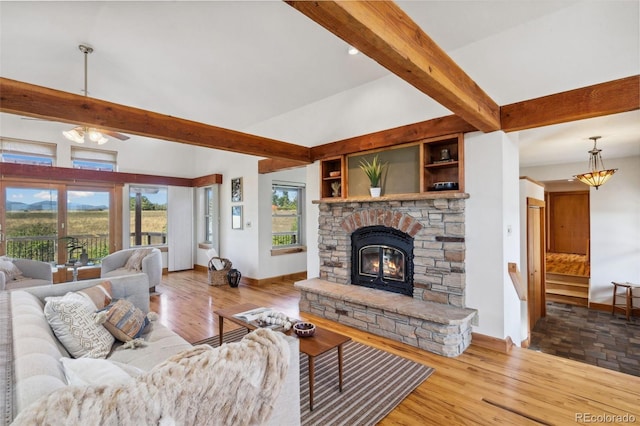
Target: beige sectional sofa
(38, 370)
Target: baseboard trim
(488, 342)
(600, 306)
(297, 276)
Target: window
(56, 223)
(148, 215)
(286, 215)
(93, 159)
(209, 215)
(27, 152)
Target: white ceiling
(235, 64)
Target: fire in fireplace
(382, 258)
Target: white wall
(615, 222)
(313, 214)
(492, 232)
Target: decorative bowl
(334, 174)
(304, 329)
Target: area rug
(374, 383)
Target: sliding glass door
(55, 223)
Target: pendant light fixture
(78, 134)
(598, 174)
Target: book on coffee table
(252, 314)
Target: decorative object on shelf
(335, 187)
(335, 173)
(233, 277)
(597, 175)
(304, 329)
(445, 186)
(445, 155)
(236, 190)
(236, 217)
(373, 170)
(78, 134)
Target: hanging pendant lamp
(598, 174)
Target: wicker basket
(219, 276)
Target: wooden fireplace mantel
(446, 195)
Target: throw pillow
(99, 294)
(75, 327)
(73, 297)
(91, 371)
(10, 269)
(134, 263)
(124, 321)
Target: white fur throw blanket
(235, 384)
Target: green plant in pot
(373, 170)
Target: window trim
(300, 245)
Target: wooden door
(535, 260)
(569, 222)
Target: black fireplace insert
(382, 258)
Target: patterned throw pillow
(10, 269)
(99, 294)
(125, 321)
(134, 263)
(74, 325)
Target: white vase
(375, 192)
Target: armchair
(33, 273)
(133, 261)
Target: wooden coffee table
(321, 342)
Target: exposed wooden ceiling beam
(612, 97)
(35, 101)
(382, 31)
(269, 165)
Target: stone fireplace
(394, 266)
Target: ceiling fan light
(102, 140)
(74, 135)
(95, 135)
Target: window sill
(288, 250)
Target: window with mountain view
(37, 227)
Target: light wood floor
(478, 387)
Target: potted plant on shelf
(373, 170)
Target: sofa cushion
(134, 263)
(74, 325)
(99, 294)
(92, 371)
(124, 321)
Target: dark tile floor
(590, 336)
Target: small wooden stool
(627, 307)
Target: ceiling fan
(79, 133)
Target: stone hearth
(435, 317)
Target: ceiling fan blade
(113, 134)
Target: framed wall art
(236, 217)
(236, 190)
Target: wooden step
(571, 293)
(569, 300)
(565, 285)
(550, 276)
